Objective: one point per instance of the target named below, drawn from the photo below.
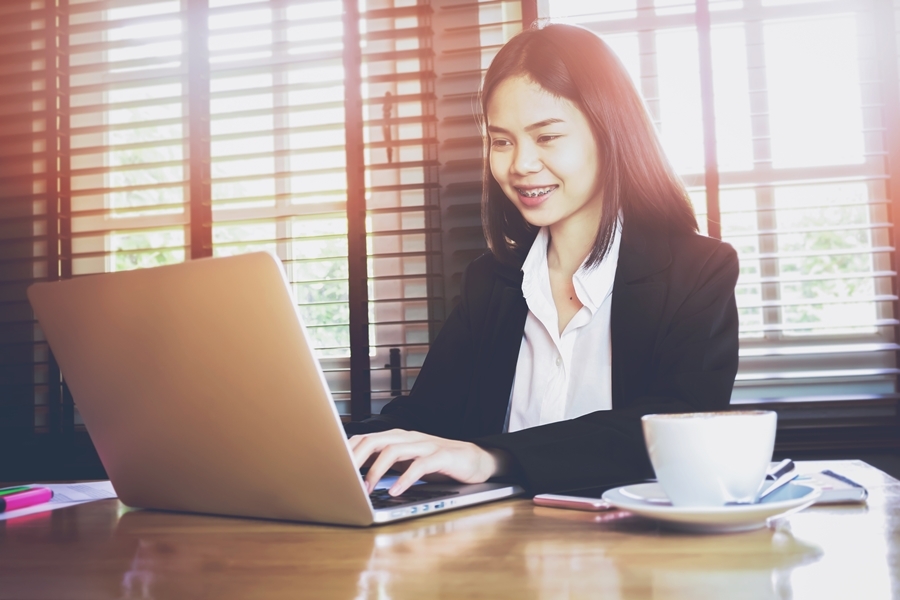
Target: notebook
(200, 389)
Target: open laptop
(201, 392)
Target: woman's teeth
(535, 192)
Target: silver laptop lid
(201, 392)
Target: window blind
(773, 113)
(404, 219)
(470, 35)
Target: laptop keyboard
(381, 498)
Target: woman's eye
(499, 143)
(546, 138)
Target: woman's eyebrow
(532, 127)
(543, 123)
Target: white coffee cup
(710, 459)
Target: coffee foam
(707, 415)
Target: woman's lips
(533, 195)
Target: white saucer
(649, 500)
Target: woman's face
(543, 154)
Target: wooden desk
(508, 549)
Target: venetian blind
(404, 220)
(469, 37)
(773, 112)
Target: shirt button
(558, 360)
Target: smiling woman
(597, 304)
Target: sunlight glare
(815, 107)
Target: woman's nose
(526, 160)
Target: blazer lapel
(637, 303)
(500, 352)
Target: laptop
(200, 389)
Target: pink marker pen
(24, 499)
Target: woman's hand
(420, 455)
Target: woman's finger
(389, 455)
(372, 443)
(418, 469)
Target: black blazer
(674, 327)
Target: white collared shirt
(563, 376)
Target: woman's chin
(539, 220)
(537, 213)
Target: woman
(598, 302)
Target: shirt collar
(592, 285)
(534, 269)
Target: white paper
(65, 494)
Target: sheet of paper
(65, 494)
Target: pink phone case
(572, 502)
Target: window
(774, 114)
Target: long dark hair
(636, 179)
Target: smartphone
(589, 499)
(573, 502)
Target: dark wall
(31, 448)
(17, 120)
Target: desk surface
(508, 549)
